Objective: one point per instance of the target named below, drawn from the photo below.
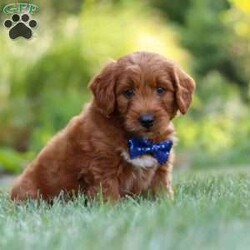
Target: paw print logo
(20, 26)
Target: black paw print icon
(20, 26)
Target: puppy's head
(144, 90)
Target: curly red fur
(89, 154)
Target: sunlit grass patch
(209, 211)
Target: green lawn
(211, 210)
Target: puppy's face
(145, 99)
(144, 90)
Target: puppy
(121, 145)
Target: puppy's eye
(128, 93)
(160, 91)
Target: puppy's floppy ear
(102, 87)
(185, 87)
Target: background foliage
(44, 80)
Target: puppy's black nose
(147, 120)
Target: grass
(211, 211)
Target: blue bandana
(142, 146)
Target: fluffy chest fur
(135, 180)
(145, 161)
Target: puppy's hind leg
(24, 188)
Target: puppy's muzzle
(147, 120)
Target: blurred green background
(43, 81)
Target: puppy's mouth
(150, 132)
(138, 130)
(145, 128)
(134, 128)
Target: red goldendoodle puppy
(121, 145)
